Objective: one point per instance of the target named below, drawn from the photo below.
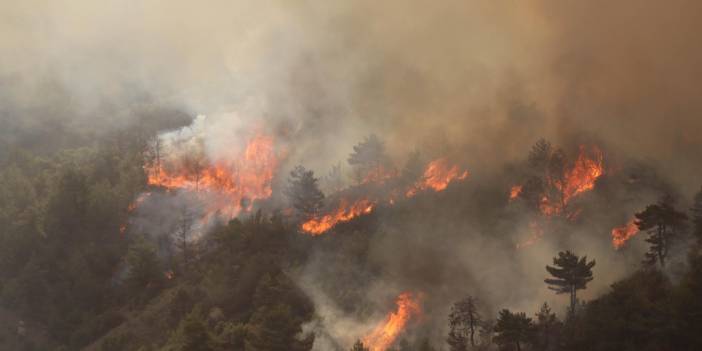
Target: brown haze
(482, 79)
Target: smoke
(479, 80)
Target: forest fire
(580, 177)
(244, 179)
(437, 176)
(583, 175)
(385, 334)
(622, 234)
(344, 213)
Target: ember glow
(536, 233)
(622, 234)
(385, 334)
(344, 213)
(514, 192)
(437, 176)
(232, 182)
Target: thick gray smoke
(481, 80)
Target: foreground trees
(463, 324)
(513, 330)
(570, 274)
(663, 223)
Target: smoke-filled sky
(491, 76)
(482, 79)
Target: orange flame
(514, 192)
(246, 178)
(384, 335)
(344, 213)
(437, 176)
(622, 234)
(579, 178)
(582, 176)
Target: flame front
(231, 182)
(620, 235)
(437, 176)
(344, 213)
(385, 334)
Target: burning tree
(513, 330)
(555, 179)
(662, 222)
(463, 324)
(304, 194)
(570, 274)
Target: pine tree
(367, 156)
(513, 330)
(548, 329)
(663, 223)
(304, 194)
(571, 273)
(464, 320)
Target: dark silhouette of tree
(547, 329)
(540, 154)
(464, 320)
(663, 223)
(696, 212)
(368, 156)
(183, 233)
(303, 192)
(570, 274)
(358, 346)
(513, 330)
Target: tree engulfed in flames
(577, 179)
(437, 176)
(622, 234)
(344, 213)
(385, 334)
(234, 181)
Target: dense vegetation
(70, 279)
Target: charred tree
(570, 274)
